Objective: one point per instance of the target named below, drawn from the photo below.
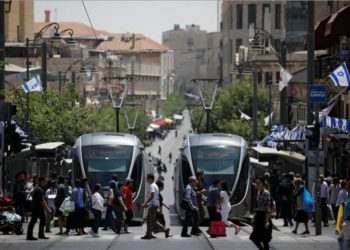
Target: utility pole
(255, 105)
(310, 109)
(60, 82)
(2, 50)
(284, 92)
(44, 66)
(117, 118)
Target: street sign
(317, 94)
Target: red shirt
(128, 197)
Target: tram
(100, 155)
(220, 156)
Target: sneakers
(185, 235)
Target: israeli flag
(340, 76)
(33, 85)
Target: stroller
(10, 222)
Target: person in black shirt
(19, 193)
(38, 206)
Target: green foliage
(174, 104)
(54, 118)
(225, 116)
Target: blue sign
(317, 94)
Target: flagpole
(27, 122)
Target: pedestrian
(39, 206)
(119, 207)
(152, 203)
(324, 195)
(285, 196)
(19, 193)
(334, 190)
(110, 207)
(342, 196)
(97, 209)
(225, 196)
(301, 214)
(170, 157)
(50, 196)
(61, 195)
(29, 187)
(213, 202)
(160, 216)
(200, 190)
(127, 191)
(159, 150)
(262, 225)
(191, 214)
(79, 212)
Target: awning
(338, 24)
(168, 120)
(177, 117)
(12, 68)
(271, 154)
(160, 122)
(154, 126)
(149, 129)
(323, 41)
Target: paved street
(282, 239)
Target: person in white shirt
(97, 203)
(225, 196)
(153, 203)
(50, 196)
(342, 196)
(324, 195)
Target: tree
(174, 104)
(225, 115)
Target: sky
(148, 17)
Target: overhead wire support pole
(2, 50)
(27, 122)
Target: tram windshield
(101, 161)
(217, 162)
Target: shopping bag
(330, 212)
(338, 226)
(307, 202)
(217, 228)
(69, 207)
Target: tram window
(136, 173)
(241, 187)
(186, 171)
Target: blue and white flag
(340, 76)
(33, 85)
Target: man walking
(153, 203)
(19, 193)
(192, 214)
(38, 206)
(127, 191)
(324, 195)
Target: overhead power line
(87, 13)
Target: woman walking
(79, 213)
(262, 225)
(97, 209)
(226, 206)
(302, 215)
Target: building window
(259, 77)
(277, 77)
(239, 16)
(252, 14)
(266, 10)
(277, 16)
(231, 51)
(239, 43)
(268, 78)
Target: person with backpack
(301, 215)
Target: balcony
(325, 64)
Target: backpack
(307, 202)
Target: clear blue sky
(148, 17)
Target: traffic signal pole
(310, 81)
(2, 50)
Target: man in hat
(19, 193)
(127, 191)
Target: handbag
(307, 202)
(69, 207)
(217, 228)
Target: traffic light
(313, 135)
(13, 141)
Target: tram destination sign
(317, 94)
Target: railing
(298, 111)
(325, 64)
